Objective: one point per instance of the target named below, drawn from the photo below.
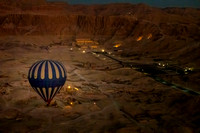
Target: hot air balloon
(47, 78)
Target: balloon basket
(48, 102)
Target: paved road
(152, 71)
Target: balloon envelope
(47, 78)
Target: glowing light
(86, 42)
(139, 38)
(94, 47)
(117, 45)
(69, 87)
(71, 103)
(94, 103)
(102, 50)
(186, 72)
(191, 68)
(76, 89)
(149, 36)
(83, 51)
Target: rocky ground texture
(99, 95)
(98, 100)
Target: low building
(87, 43)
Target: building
(87, 43)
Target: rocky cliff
(133, 24)
(120, 20)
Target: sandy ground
(98, 100)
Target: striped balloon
(47, 78)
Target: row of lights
(85, 51)
(141, 37)
(69, 87)
(163, 64)
(188, 69)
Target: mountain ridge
(141, 28)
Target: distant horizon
(154, 3)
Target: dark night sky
(158, 3)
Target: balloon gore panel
(47, 77)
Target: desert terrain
(130, 68)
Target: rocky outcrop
(160, 29)
(113, 20)
(79, 25)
